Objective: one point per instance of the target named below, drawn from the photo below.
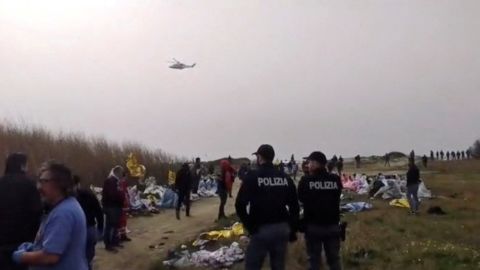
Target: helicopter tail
(193, 65)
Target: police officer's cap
(317, 156)
(266, 151)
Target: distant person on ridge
(442, 155)
(20, 209)
(340, 165)
(273, 211)
(437, 155)
(413, 182)
(387, 160)
(458, 155)
(448, 155)
(412, 155)
(424, 161)
(183, 186)
(112, 201)
(432, 156)
(463, 154)
(453, 155)
(357, 161)
(321, 224)
(469, 153)
(94, 215)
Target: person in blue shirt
(60, 243)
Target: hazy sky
(344, 77)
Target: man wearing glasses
(61, 240)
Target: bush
(90, 158)
(476, 149)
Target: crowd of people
(55, 223)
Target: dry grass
(91, 158)
(389, 238)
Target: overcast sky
(344, 77)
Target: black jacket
(183, 180)
(320, 196)
(269, 192)
(91, 207)
(20, 214)
(112, 196)
(413, 175)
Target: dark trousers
(272, 240)
(412, 197)
(223, 200)
(112, 221)
(184, 197)
(320, 238)
(91, 242)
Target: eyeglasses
(44, 180)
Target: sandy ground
(160, 229)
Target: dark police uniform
(272, 216)
(320, 195)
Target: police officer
(320, 193)
(270, 223)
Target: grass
(91, 158)
(388, 238)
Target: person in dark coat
(463, 154)
(432, 156)
(458, 155)
(448, 155)
(357, 161)
(442, 154)
(437, 155)
(183, 186)
(340, 165)
(424, 161)
(387, 160)
(94, 215)
(196, 175)
(20, 209)
(112, 201)
(413, 182)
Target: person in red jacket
(224, 186)
(122, 229)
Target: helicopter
(178, 65)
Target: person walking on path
(183, 186)
(413, 182)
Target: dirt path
(161, 228)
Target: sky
(344, 77)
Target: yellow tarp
(236, 230)
(400, 203)
(135, 169)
